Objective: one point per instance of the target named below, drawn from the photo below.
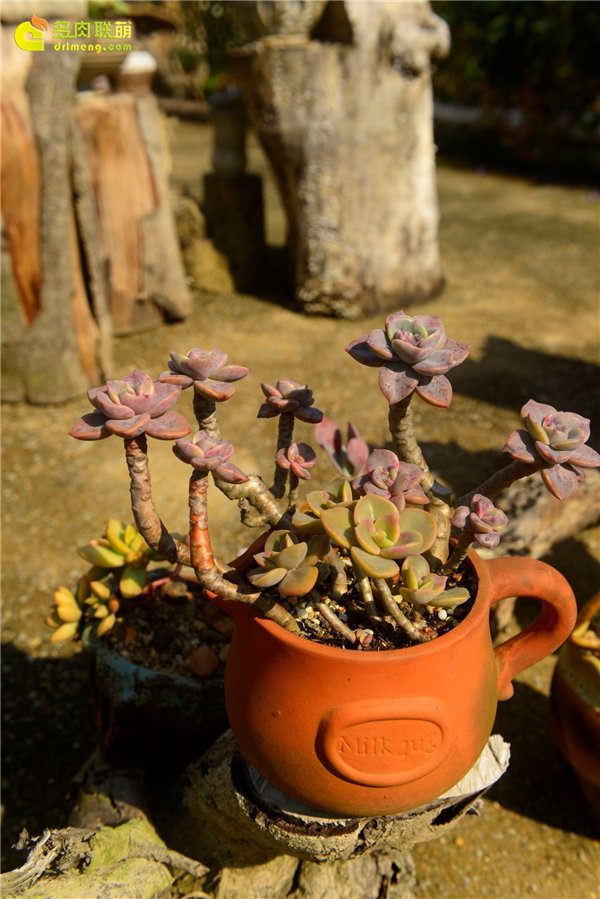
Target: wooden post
(88, 236)
(50, 339)
(346, 120)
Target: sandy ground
(521, 262)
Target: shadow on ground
(529, 373)
(48, 732)
(539, 785)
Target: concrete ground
(521, 262)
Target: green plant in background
(119, 572)
(371, 557)
(538, 55)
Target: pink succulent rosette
(130, 407)
(556, 439)
(387, 476)
(349, 459)
(207, 371)
(288, 396)
(484, 519)
(207, 454)
(414, 354)
(297, 458)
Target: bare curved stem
(400, 419)
(364, 585)
(402, 431)
(146, 517)
(284, 438)
(465, 542)
(502, 479)
(206, 415)
(206, 568)
(329, 615)
(257, 494)
(391, 606)
(339, 586)
(293, 491)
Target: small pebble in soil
(203, 662)
(442, 614)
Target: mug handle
(517, 576)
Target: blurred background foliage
(538, 55)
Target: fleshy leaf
(339, 524)
(436, 391)
(373, 566)
(265, 579)
(90, 426)
(169, 426)
(396, 382)
(299, 581)
(132, 581)
(560, 481)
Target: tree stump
(237, 821)
(346, 120)
(125, 155)
(88, 236)
(50, 338)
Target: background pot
(368, 733)
(151, 718)
(575, 704)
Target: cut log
(346, 121)
(137, 246)
(50, 341)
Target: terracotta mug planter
(371, 733)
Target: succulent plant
(307, 517)
(349, 459)
(288, 396)
(377, 537)
(287, 564)
(130, 407)
(205, 453)
(397, 481)
(557, 439)
(484, 520)
(420, 586)
(377, 534)
(125, 552)
(207, 371)
(94, 599)
(414, 354)
(297, 458)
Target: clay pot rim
(469, 624)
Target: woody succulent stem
(364, 585)
(331, 618)
(146, 517)
(461, 550)
(402, 431)
(502, 479)
(284, 438)
(391, 606)
(207, 569)
(206, 415)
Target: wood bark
(346, 121)
(137, 246)
(50, 338)
(88, 235)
